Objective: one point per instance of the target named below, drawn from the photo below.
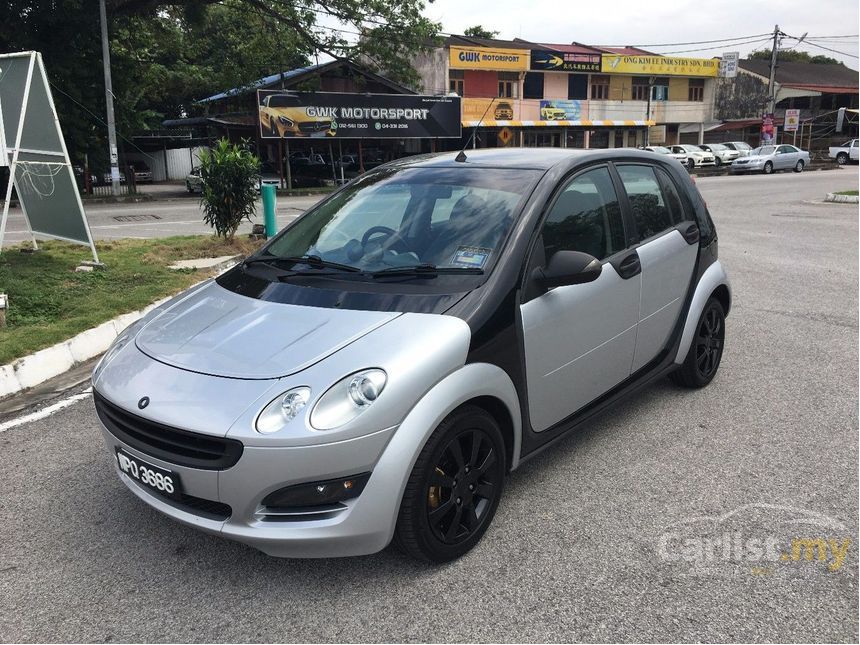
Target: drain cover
(135, 218)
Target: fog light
(319, 493)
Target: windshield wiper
(428, 270)
(313, 261)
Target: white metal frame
(36, 57)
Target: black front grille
(314, 126)
(163, 442)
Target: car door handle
(690, 232)
(629, 266)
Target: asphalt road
(599, 539)
(174, 212)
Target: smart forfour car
(378, 367)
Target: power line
(835, 51)
(701, 42)
(699, 49)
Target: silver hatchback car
(376, 370)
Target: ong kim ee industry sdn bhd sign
(357, 116)
(659, 65)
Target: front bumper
(360, 526)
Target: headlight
(282, 410)
(285, 121)
(348, 398)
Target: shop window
(509, 83)
(456, 82)
(533, 85)
(577, 86)
(697, 90)
(660, 90)
(639, 91)
(599, 87)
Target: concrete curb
(842, 199)
(29, 371)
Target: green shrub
(230, 176)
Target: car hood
(220, 333)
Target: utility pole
(111, 122)
(771, 84)
(651, 80)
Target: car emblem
(143, 402)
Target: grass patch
(49, 302)
(847, 192)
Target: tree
(794, 56)
(167, 55)
(478, 31)
(230, 174)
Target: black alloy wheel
(691, 164)
(455, 487)
(706, 350)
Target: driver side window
(585, 217)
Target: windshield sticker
(471, 256)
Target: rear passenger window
(670, 194)
(650, 212)
(586, 217)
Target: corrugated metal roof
(265, 81)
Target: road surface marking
(45, 412)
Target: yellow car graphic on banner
(283, 115)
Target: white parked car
(695, 156)
(848, 151)
(722, 154)
(663, 150)
(742, 147)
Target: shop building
(521, 93)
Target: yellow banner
(659, 65)
(488, 58)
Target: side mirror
(568, 267)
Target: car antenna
(461, 156)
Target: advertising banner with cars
(357, 116)
(560, 110)
(544, 60)
(490, 109)
(659, 65)
(485, 58)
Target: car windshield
(282, 101)
(662, 150)
(715, 147)
(763, 151)
(442, 218)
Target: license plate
(159, 480)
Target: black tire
(842, 158)
(706, 350)
(691, 164)
(768, 167)
(717, 161)
(443, 489)
(798, 167)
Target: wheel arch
(714, 282)
(496, 408)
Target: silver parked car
(663, 150)
(768, 159)
(378, 367)
(193, 181)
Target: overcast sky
(638, 22)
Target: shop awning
(556, 124)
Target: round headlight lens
(348, 398)
(282, 410)
(364, 388)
